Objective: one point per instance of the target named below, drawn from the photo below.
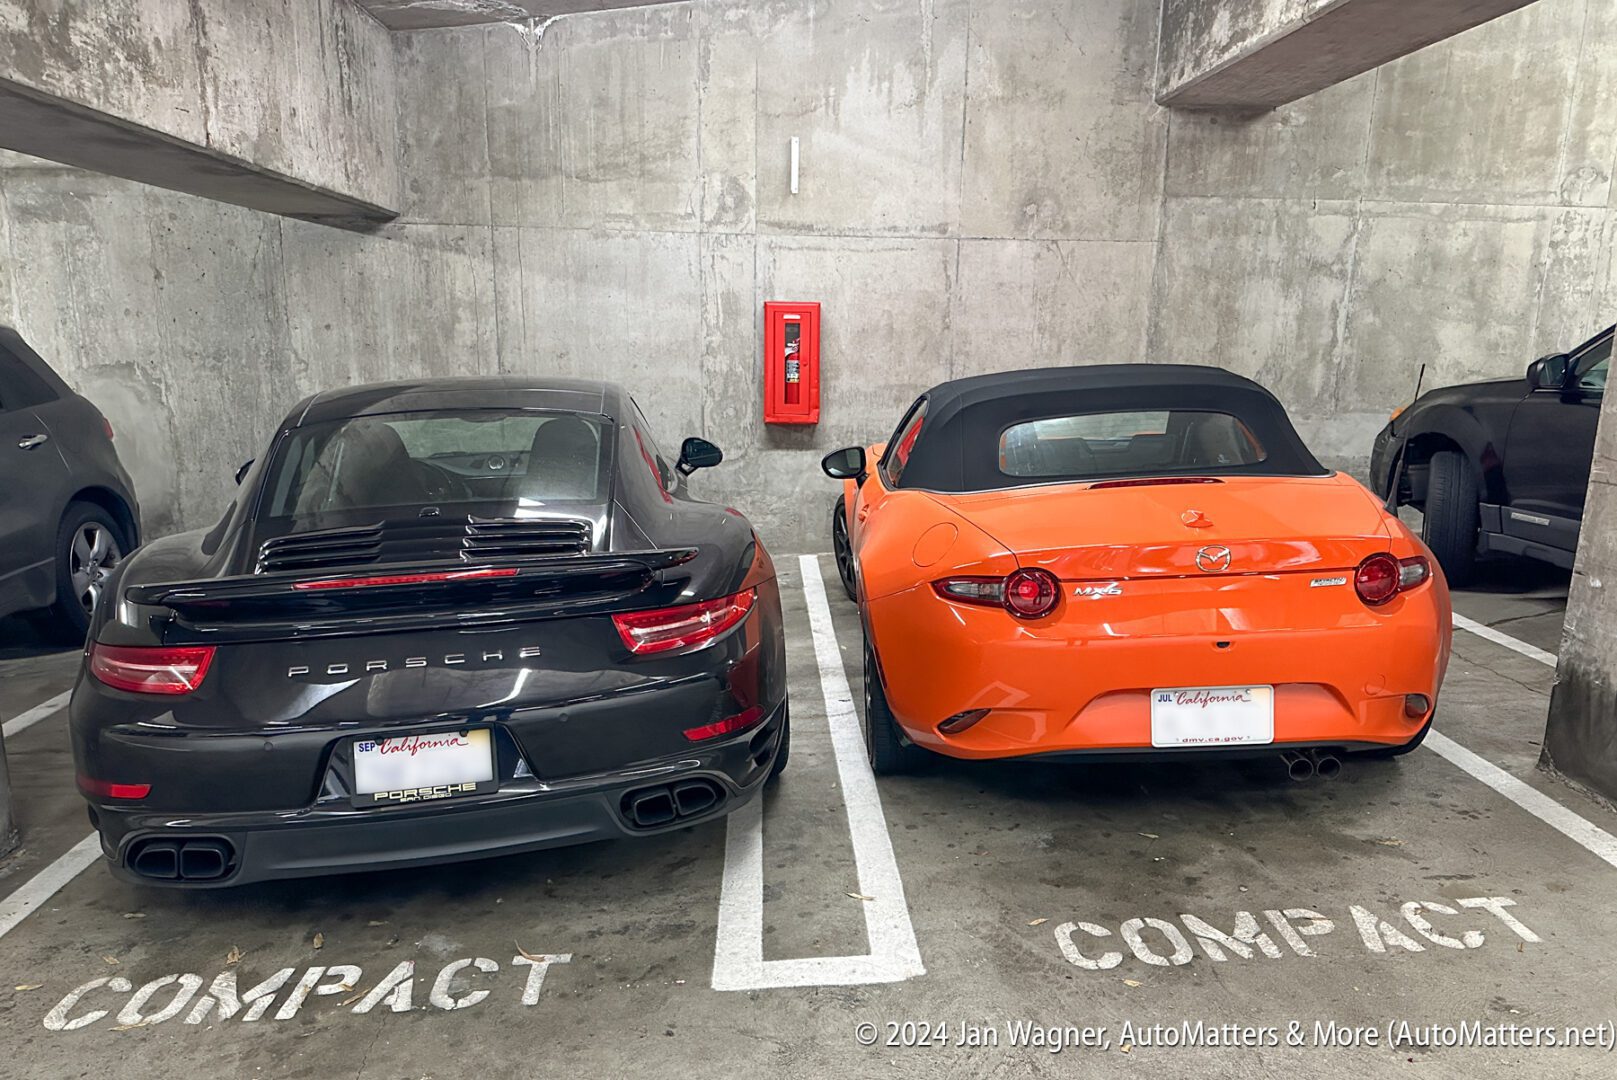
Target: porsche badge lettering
(423, 794)
(490, 656)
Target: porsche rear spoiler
(378, 599)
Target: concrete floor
(995, 861)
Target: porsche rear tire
(1450, 528)
(842, 548)
(889, 754)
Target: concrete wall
(195, 325)
(985, 184)
(184, 94)
(1257, 54)
(1580, 740)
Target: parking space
(985, 905)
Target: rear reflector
(408, 579)
(684, 627)
(146, 670)
(728, 726)
(106, 425)
(106, 789)
(1416, 705)
(961, 721)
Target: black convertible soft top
(958, 446)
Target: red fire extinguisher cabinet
(791, 362)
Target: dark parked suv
(1500, 466)
(67, 509)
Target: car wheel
(1388, 752)
(843, 548)
(89, 545)
(1450, 528)
(785, 751)
(889, 754)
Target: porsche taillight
(1027, 593)
(150, 670)
(685, 627)
(1380, 577)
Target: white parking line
(1535, 802)
(1532, 652)
(45, 884)
(738, 962)
(33, 716)
(1582, 831)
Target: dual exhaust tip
(200, 859)
(1308, 764)
(650, 808)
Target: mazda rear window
(516, 458)
(1091, 446)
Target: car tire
(842, 548)
(1450, 527)
(1389, 752)
(783, 754)
(889, 754)
(89, 544)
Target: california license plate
(1213, 716)
(420, 768)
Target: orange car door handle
(864, 512)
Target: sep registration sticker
(419, 768)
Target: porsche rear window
(512, 457)
(1108, 444)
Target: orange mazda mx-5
(1129, 560)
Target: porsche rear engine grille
(468, 540)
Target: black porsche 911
(442, 620)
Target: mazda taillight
(684, 627)
(1413, 571)
(1381, 577)
(150, 670)
(1027, 594)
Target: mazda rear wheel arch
(842, 548)
(889, 753)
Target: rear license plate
(1213, 716)
(421, 768)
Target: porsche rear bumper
(523, 815)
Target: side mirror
(1548, 372)
(845, 464)
(241, 473)
(696, 454)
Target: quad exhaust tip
(649, 808)
(196, 859)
